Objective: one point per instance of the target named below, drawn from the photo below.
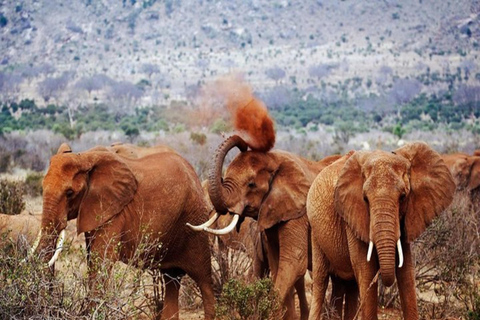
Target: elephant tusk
(34, 246)
(58, 249)
(36, 242)
(370, 250)
(225, 230)
(206, 224)
(400, 253)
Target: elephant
(465, 170)
(361, 208)
(270, 187)
(132, 151)
(120, 203)
(21, 228)
(247, 239)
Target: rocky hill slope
(171, 45)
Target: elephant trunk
(216, 189)
(50, 239)
(386, 258)
(385, 235)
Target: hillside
(172, 46)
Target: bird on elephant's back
(119, 202)
(269, 186)
(365, 210)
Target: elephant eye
(402, 196)
(251, 184)
(69, 193)
(365, 199)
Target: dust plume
(249, 115)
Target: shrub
(240, 300)
(3, 20)
(5, 160)
(220, 126)
(11, 197)
(33, 184)
(31, 291)
(199, 138)
(448, 262)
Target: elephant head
(386, 198)
(268, 186)
(465, 170)
(81, 186)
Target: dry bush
(33, 184)
(30, 291)
(227, 263)
(448, 263)
(11, 197)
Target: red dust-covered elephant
(127, 203)
(365, 210)
(270, 187)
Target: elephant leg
(368, 289)
(336, 299)
(261, 268)
(292, 262)
(368, 300)
(302, 298)
(351, 300)
(406, 284)
(223, 261)
(320, 275)
(102, 253)
(157, 294)
(365, 273)
(284, 282)
(319, 287)
(101, 256)
(205, 284)
(171, 278)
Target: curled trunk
(215, 188)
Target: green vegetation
(89, 118)
(402, 106)
(33, 184)
(3, 20)
(252, 301)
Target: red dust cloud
(253, 121)
(248, 113)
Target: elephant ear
(431, 187)
(460, 169)
(64, 148)
(111, 186)
(349, 203)
(474, 178)
(287, 197)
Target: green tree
(398, 130)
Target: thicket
(11, 197)
(400, 111)
(25, 115)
